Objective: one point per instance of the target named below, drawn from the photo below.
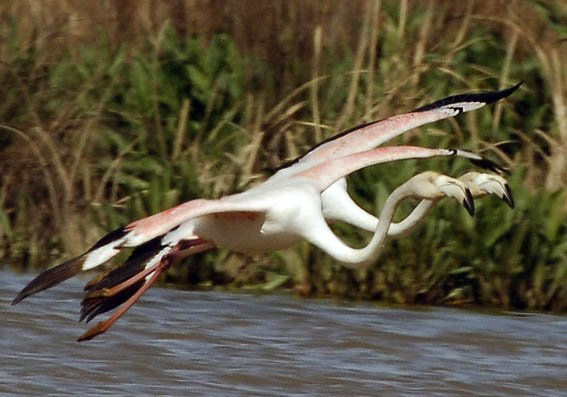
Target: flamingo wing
(373, 134)
(136, 234)
(325, 174)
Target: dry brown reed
(330, 65)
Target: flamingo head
(482, 184)
(434, 186)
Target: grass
(104, 121)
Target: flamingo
(288, 207)
(338, 205)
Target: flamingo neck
(376, 246)
(322, 236)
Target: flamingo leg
(192, 250)
(178, 252)
(102, 326)
(108, 292)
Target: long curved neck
(322, 236)
(338, 205)
(375, 247)
(410, 222)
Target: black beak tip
(468, 202)
(508, 196)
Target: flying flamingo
(341, 206)
(286, 208)
(338, 205)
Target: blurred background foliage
(113, 110)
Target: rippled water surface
(210, 343)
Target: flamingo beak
(494, 184)
(458, 190)
(468, 202)
(507, 196)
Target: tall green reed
(122, 128)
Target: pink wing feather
(374, 134)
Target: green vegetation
(105, 122)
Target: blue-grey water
(210, 343)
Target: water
(210, 343)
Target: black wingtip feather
(482, 97)
(93, 304)
(131, 267)
(51, 277)
(110, 237)
(489, 165)
(508, 197)
(92, 307)
(66, 270)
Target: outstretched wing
(324, 174)
(136, 234)
(371, 135)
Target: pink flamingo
(290, 206)
(337, 204)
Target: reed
(115, 110)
